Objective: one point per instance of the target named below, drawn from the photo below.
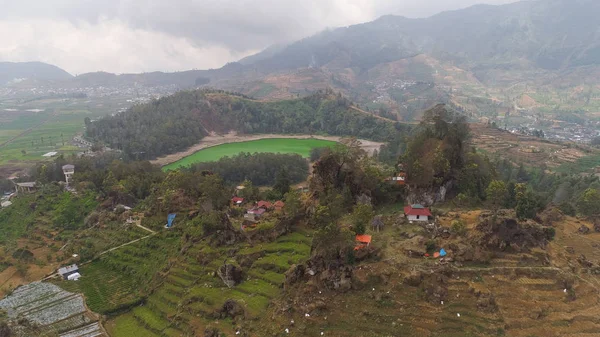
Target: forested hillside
(173, 123)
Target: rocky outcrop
(462, 253)
(332, 275)
(230, 274)
(231, 309)
(428, 196)
(503, 233)
(282, 227)
(584, 230)
(434, 284)
(294, 275)
(486, 302)
(584, 262)
(211, 332)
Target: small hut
(377, 223)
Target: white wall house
(417, 213)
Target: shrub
(23, 254)
(550, 232)
(430, 245)
(265, 226)
(458, 227)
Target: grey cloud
(235, 26)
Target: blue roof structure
(170, 219)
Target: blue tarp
(170, 219)
(442, 252)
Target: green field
(39, 126)
(275, 145)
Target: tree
(458, 227)
(282, 182)
(249, 192)
(293, 204)
(526, 207)
(522, 175)
(496, 194)
(361, 216)
(589, 203)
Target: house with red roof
(278, 205)
(417, 212)
(257, 211)
(237, 201)
(264, 204)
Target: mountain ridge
(11, 71)
(483, 58)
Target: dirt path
(146, 228)
(123, 245)
(232, 137)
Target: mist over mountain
(548, 34)
(407, 65)
(11, 71)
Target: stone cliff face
(428, 196)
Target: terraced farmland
(191, 297)
(43, 309)
(122, 277)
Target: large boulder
(211, 332)
(293, 275)
(231, 309)
(583, 229)
(337, 278)
(230, 274)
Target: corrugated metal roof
(68, 269)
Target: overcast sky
(169, 35)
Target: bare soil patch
(526, 149)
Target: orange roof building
(362, 241)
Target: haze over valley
(316, 168)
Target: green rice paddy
(275, 145)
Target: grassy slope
(299, 146)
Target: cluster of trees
(173, 123)
(106, 175)
(345, 180)
(438, 151)
(261, 169)
(531, 190)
